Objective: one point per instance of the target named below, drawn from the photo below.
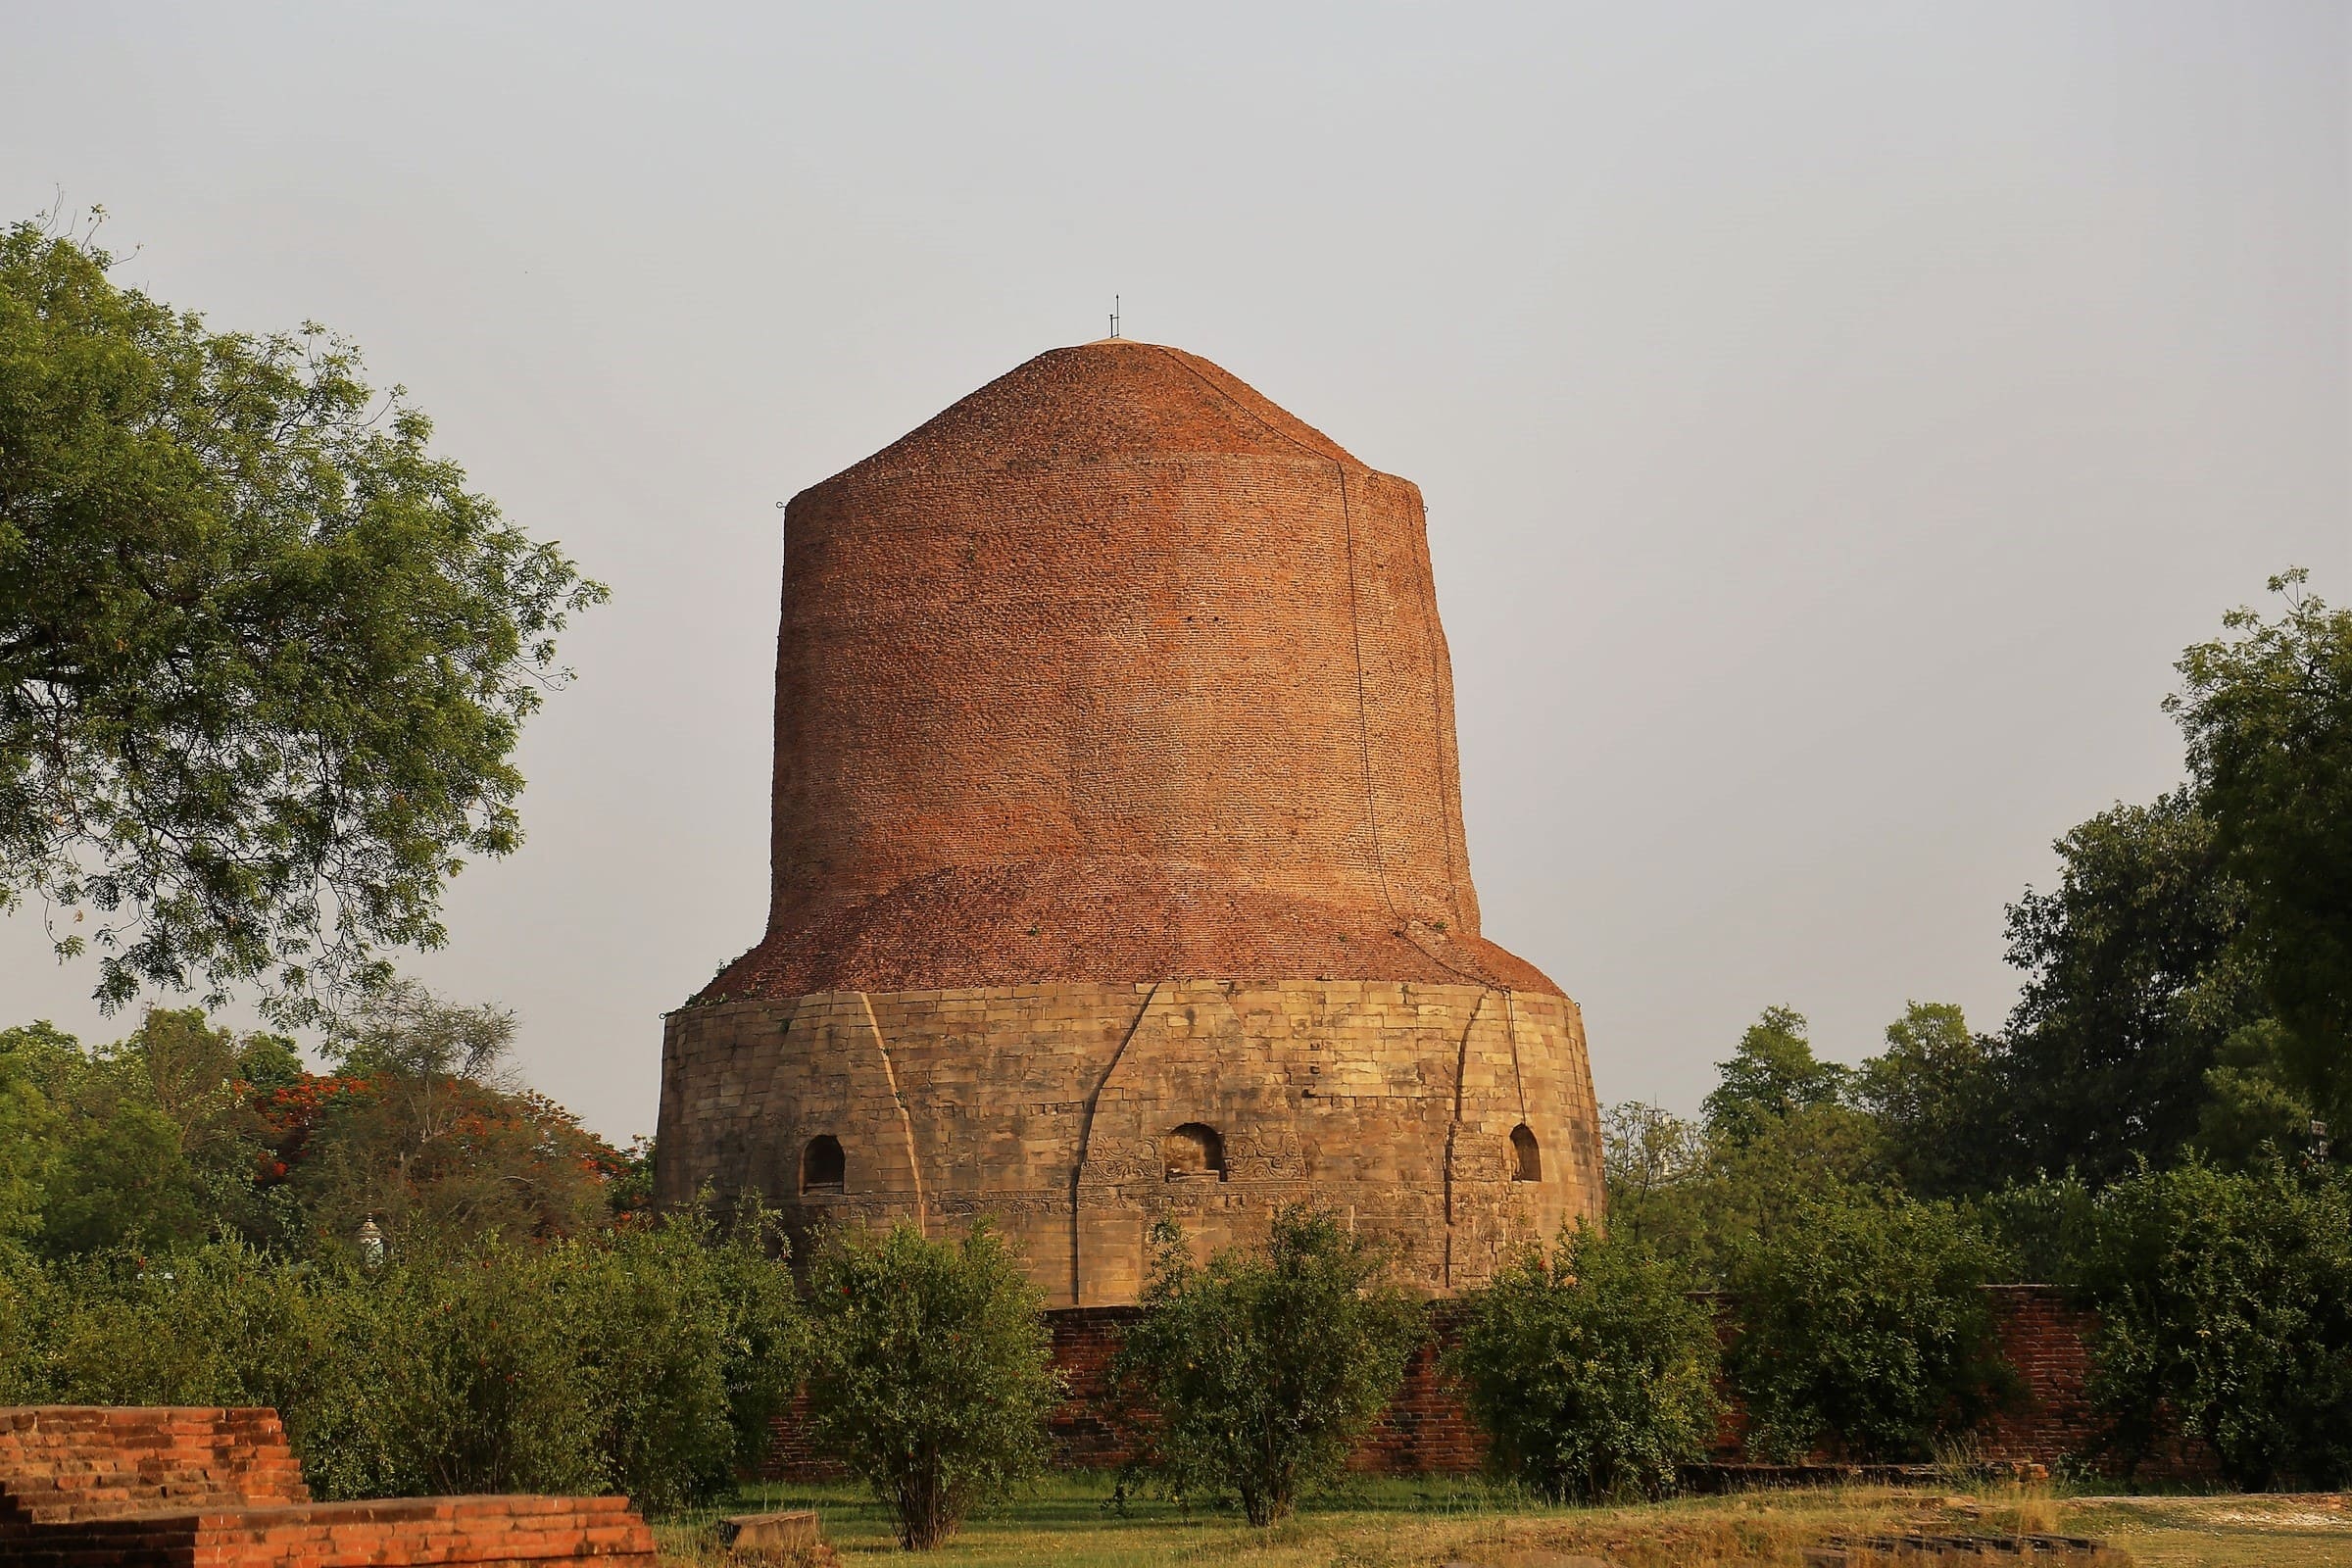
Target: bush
(933, 1375)
(2224, 1304)
(693, 1343)
(650, 1360)
(1256, 1374)
(24, 1288)
(1592, 1369)
(2042, 1227)
(476, 1383)
(1864, 1329)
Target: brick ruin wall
(1427, 1430)
(164, 1487)
(1058, 1111)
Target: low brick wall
(469, 1531)
(107, 1487)
(1085, 1338)
(1427, 1431)
(2048, 1344)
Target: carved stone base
(1451, 1121)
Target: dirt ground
(1074, 1520)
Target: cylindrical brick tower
(1118, 859)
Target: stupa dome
(1114, 671)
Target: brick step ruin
(60, 1464)
(94, 1486)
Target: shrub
(691, 1343)
(1592, 1369)
(478, 1385)
(202, 1325)
(23, 1291)
(2224, 1303)
(650, 1360)
(1864, 1328)
(1256, 1374)
(932, 1374)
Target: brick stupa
(1118, 866)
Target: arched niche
(1527, 1156)
(824, 1169)
(1193, 1151)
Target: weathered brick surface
(63, 1463)
(1114, 671)
(102, 1486)
(2048, 1343)
(1117, 791)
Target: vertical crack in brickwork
(1453, 1126)
(1442, 724)
(890, 1076)
(1363, 710)
(1086, 1134)
(1510, 1008)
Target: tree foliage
(1772, 1074)
(2224, 1304)
(182, 1131)
(1257, 1372)
(2267, 716)
(144, 1143)
(1592, 1369)
(1935, 1097)
(424, 1131)
(263, 656)
(1864, 1329)
(1695, 1194)
(649, 1359)
(933, 1373)
(2260, 1105)
(2134, 979)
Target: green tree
(123, 1181)
(44, 1056)
(1592, 1369)
(933, 1373)
(692, 1340)
(147, 1142)
(434, 1142)
(263, 657)
(1652, 1163)
(2224, 1304)
(27, 1153)
(1773, 1073)
(1697, 1196)
(2258, 1105)
(2134, 979)
(1935, 1096)
(1258, 1371)
(2267, 716)
(1864, 1329)
(34, 1060)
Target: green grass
(1397, 1523)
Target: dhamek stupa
(1117, 863)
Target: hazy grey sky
(1835, 418)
